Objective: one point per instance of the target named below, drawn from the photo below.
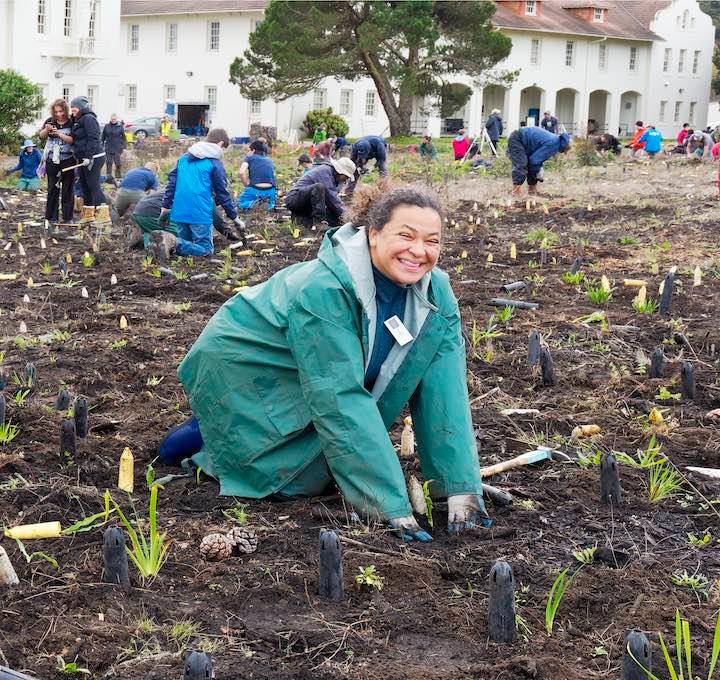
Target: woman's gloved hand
(466, 511)
(409, 530)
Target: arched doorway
(598, 110)
(531, 100)
(493, 97)
(629, 111)
(567, 109)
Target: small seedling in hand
(369, 579)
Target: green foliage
(29, 557)
(597, 294)
(238, 513)
(573, 279)
(336, 125)
(627, 241)
(8, 432)
(700, 541)
(664, 394)
(647, 306)
(539, 234)
(585, 152)
(369, 579)
(409, 49)
(664, 481)
(70, 667)
(428, 501)
(91, 522)
(20, 102)
(506, 313)
(147, 554)
(585, 556)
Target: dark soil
(259, 615)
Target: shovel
(536, 456)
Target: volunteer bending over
(295, 382)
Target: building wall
(56, 61)
(193, 68)
(672, 86)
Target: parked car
(149, 126)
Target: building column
(512, 115)
(612, 112)
(548, 102)
(475, 117)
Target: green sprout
(369, 579)
(573, 279)
(597, 294)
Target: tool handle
(518, 461)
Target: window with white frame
(691, 113)
(685, 17)
(131, 97)
(535, 51)
(42, 17)
(681, 61)
(211, 96)
(169, 92)
(569, 53)
(632, 64)
(68, 18)
(663, 109)
(256, 107)
(171, 37)
(530, 7)
(602, 57)
(696, 62)
(319, 98)
(371, 103)
(67, 93)
(213, 40)
(134, 38)
(676, 115)
(346, 102)
(92, 95)
(598, 15)
(667, 59)
(93, 20)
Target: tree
(20, 102)
(409, 48)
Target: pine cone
(242, 540)
(215, 547)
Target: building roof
(151, 7)
(555, 18)
(644, 11)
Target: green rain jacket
(276, 378)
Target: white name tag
(398, 331)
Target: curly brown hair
(373, 204)
(61, 103)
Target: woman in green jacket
(294, 382)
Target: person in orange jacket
(635, 144)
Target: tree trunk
(398, 114)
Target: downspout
(587, 68)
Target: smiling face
(408, 246)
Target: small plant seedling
(597, 294)
(238, 513)
(20, 397)
(540, 234)
(29, 557)
(585, 556)
(8, 432)
(118, 344)
(573, 279)
(46, 268)
(369, 579)
(646, 306)
(428, 501)
(664, 481)
(88, 260)
(14, 482)
(182, 632)
(555, 596)
(183, 307)
(181, 275)
(154, 380)
(71, 667)
(700, 541)
(627, 241)
(696, 582)
(505, 314)
(666, 395)
(146, 262)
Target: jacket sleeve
(154, 183)
(442, 420)
(333, 201)
(169, 196)
(222, 195)
(103, 137)
(542, 153)
(19, 164)
(643, 137)
(324, 340)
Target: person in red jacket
(683, 134)
(460, 145)
(635, 144)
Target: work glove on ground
(409, 530)
(466, 511)
(164, 218)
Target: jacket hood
(206, 150)
(363, 149)
(564, 139)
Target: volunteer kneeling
(294, 382)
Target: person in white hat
(313, 200)
(28, 163)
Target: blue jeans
(252, 195)
(194, 239)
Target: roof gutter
(584, 35)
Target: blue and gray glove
(465, 512)
(409, 530)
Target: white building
(614, 62)
(68, 47)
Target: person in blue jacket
(528, 148)
(28, 163)
(370, 146)
(653, 140)
(196, 183)
(257, 173)
(135, 185)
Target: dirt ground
(259, 615)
